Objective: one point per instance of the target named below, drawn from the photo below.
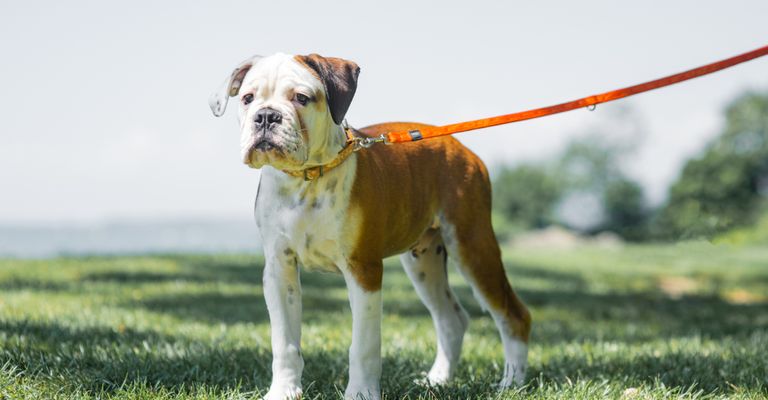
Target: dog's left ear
(339, 78)
(219, 99)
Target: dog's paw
(283, 393)
(433, 378)
(440, 374)
(514, 376)
(362, 393)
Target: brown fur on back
(408, 184)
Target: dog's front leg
(282, 291)
(364, 286)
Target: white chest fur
(307, 220)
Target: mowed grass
(638, 322)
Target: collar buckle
(319, 170)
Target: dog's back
(416, 182)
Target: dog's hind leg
(472, 244)
(426, 266)
(465, 224)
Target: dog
(323, 205)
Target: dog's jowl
(322, 205)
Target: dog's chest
(307, 220)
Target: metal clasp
(367, 142)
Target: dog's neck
(330, 146)
(293, 188)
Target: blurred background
(108, 145)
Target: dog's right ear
(219, 99)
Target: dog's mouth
(263, 151)
(264, 145)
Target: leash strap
(589, 101)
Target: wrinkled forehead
(281, 70)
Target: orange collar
(312, 173)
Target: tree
(591, 167)
(583, 188)
(625, 210)
(724, 187)
(526, 195)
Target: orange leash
(432, 132)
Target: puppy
(323, 205)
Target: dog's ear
(339, 78)
(219, 99)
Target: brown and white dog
(422, 200)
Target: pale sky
(104, 105)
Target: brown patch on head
(339, 78)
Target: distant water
(129, 237)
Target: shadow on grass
(722, 371)
(218, 307)
(633, 317)
(625, 316)
(39, 285)
(141, 277)
(100, 361)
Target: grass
(638, 322)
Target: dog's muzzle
(265, 122)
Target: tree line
(585, 189)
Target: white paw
(440, 374)
(283, 393)
(362, 393)
(435, 377)
(514, 375)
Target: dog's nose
(266, 117)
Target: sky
(104, 104)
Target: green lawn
(639, 322)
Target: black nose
(266, 117)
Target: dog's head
(290, 108)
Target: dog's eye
(302, 99)
(247, 99)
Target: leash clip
(367, 142)
(363, 142)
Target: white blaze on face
(304, 132)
